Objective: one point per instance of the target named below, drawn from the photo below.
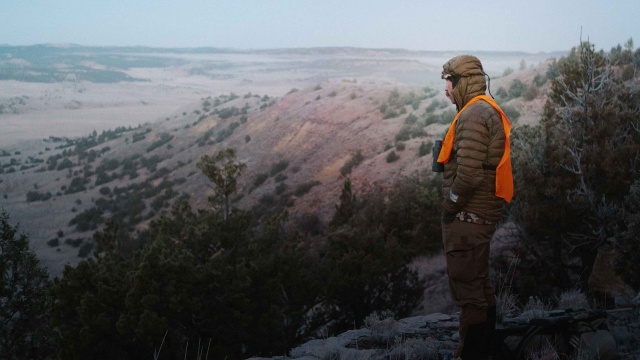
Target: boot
(473, 328)
(490, 329)
(475, 346)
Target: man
(477, 182)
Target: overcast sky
(531, 26)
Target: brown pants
(467, 252)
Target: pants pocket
(461, 265)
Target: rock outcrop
(435, 336)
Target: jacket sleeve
(472, 140)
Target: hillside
(303, 121)
(61, 190)
(339, 116)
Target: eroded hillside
(298, 149)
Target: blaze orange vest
(504, 176)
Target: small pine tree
(25, 301)
(392, 156)
(425, 148)
(223, 171)
(347, 207)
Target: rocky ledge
(435, 336)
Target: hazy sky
(531, 26)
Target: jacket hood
(468, 71)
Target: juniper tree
(25, 299)
(223, 170)
(627, 245)
(89, 299)
(347, 207)
(575, 169)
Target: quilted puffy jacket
(470, 176)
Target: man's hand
(450, 208)
(448, 218)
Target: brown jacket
(469, 176)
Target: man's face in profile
(448, 90)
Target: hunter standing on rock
(477, 182)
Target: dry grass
(546, 352)
(507, 301)
(418, 349)
(383, 327)
(573, 299)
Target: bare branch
(576, 156)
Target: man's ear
(454, 81)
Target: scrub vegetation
(258, 281)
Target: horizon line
(239, 49)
